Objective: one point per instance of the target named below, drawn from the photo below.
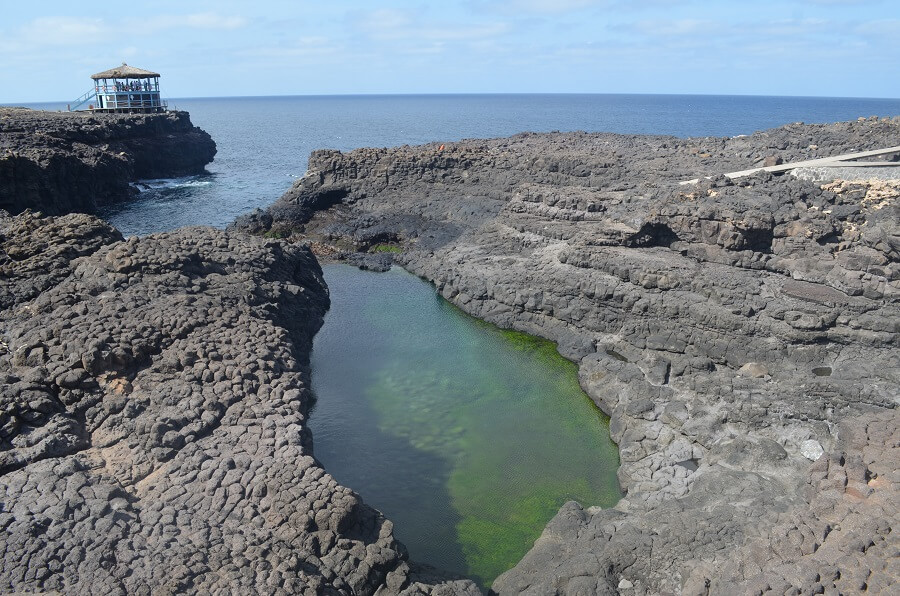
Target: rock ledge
(63, 162)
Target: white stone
(811, 450)
(624, 584)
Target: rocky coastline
(64, 162)
(742, 334)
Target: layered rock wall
(62, 162)
(734, 330)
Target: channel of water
(468, 437)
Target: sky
(215, 48)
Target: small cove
(468, 437)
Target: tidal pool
(468, 437)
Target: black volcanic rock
(62, 162)
(153, 403)
(734, 330)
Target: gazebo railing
(111, 102)
(127, 87)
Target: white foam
(168, 183)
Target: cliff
(742, 335)
(153, 402)
(62, 162)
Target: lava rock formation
(64, 162)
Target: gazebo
(124, 89)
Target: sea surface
(468, 437)
(264, 142)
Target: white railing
(123, 88)
(132, 101)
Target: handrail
(122, 100)
(114, 88)
(88, 95)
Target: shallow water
(468, 437)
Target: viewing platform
(123, 89)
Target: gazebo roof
(125, 72)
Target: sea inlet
(468, 437)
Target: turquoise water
(468, 437)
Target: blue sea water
(264, 142)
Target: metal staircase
(89, 95)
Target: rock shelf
(735, 331)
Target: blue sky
(203, 48)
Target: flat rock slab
(814, 293)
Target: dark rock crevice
(652, 234)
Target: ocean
(264, 142)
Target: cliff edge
(63, 162)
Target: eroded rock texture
(63, 162)
(153, 399)
(734, 330)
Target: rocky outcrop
(153, 423)
(63, 162)
(736, 331)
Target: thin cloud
(398, 26)
(843, 2)
(791, 27)
(888, 28)
(55, 31)
(552, 5)
(559, 7)
(60, 31)
(774, 32)
(204, 20)
(385, 19)
(676, 28)
(299, 48)
(518, 7)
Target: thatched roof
(125, 72)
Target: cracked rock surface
(63, 162)
(153, 403)
(734, 330)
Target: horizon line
(476, 94)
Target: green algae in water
(467, 436)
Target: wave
(171, 183)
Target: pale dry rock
(811, 450)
